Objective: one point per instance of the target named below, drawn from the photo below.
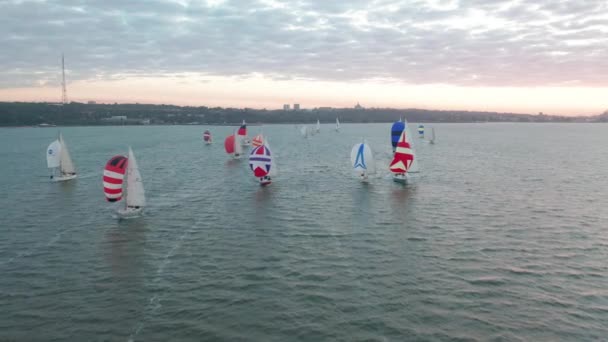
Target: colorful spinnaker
(113, 176)
(396, 130)
(421, 131)
(260, 161)
(243, 130)
(362, 159)
(229, 144)
(258, 140)
(403, 157)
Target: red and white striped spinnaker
(207, 136)
(403, 157)
(258, 140)
(113, 176)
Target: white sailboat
(135, 197)
(432, 140)
(304, 131)
(59, 161)
(337, 125)
(318, 128)
(362, 159)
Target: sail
(318, 126)
(304, 131)
(67, 167)
(432, 134)
(260, 161)
(243, 130)
(362, 158)
(238, 144)
(229, 144)
(113, 175)
(53, 154)
(207, 136)
(414, 168)
(403, 158)
(396, 130)
(421, 131)
(337, 124)
(136, 196)
(258, 140)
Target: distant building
(118, 118)
(358, 106)
(91, 102)
(285, 107)
(296, 106)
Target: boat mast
(64, 92)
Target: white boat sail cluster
(58, 160)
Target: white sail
(432, 135)
(337, 124)
(53, 154)
(304, 131)
(318, 126)
(238, 144)
(67, 167)
(136, 196)
(362, 159)
(414, 168)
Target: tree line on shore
(74, 113)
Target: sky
(547, 56)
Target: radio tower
(64, 91)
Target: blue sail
(396, 130)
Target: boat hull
(400, 178)
(127, 213)
(64, 178)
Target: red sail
(207, 136)
(113, 175)
(242, 130)
(403, 158)
(229, 144)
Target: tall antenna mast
(64, 91)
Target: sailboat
(233, 146)
(432, 140)
(58, 159)
(304, 131)
(318, 128)
(258, 140)
(362, 159)
(242, 132)
(113, 177)
(396, 129)
(421, 131)
(402, 160)
(337, 125)
(207, 137)
(260, 162)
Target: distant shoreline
(32, 114)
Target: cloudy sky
(503, 55)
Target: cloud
(466, 42)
